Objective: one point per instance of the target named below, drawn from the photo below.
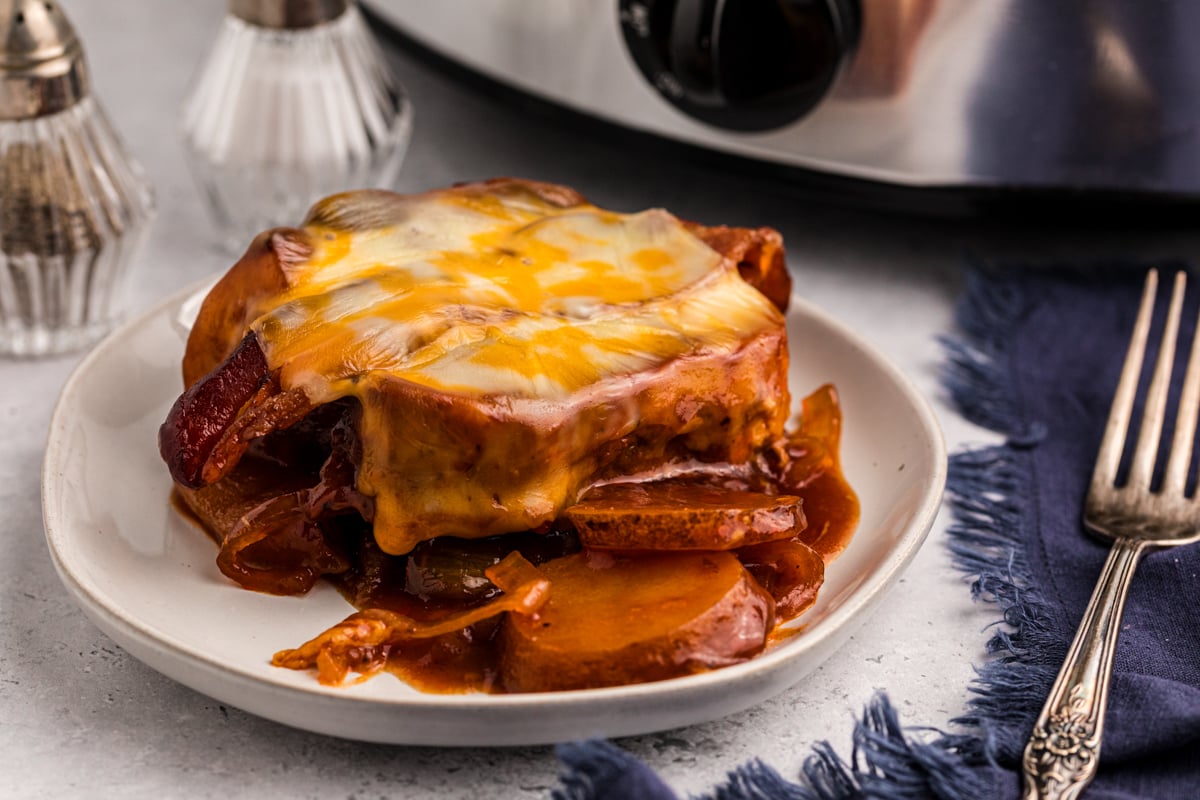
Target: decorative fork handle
(1064, 750)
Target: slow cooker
(1082, 96)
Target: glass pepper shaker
(295, 102)
(74, 207)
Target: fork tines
(1145, 455)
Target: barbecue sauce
(445, 576)
(467, 660)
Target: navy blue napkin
(1036, 359)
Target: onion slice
(362, 642)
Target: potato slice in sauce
(616, 619)
(674, 515)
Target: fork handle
(1064, 750)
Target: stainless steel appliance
(961, 94)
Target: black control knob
(748, 65)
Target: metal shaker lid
(287, 14)
(42, 69)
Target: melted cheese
(488, 297)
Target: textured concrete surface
(83, 719)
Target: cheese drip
(477, 323)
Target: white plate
(148, 579)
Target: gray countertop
(84, 719)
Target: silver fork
(1063, 753)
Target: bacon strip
(758, 253)
(213, 422)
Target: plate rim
(840, 621)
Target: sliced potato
(673, 515)
(619, 619)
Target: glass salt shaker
(295, 102)
(74, 207)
